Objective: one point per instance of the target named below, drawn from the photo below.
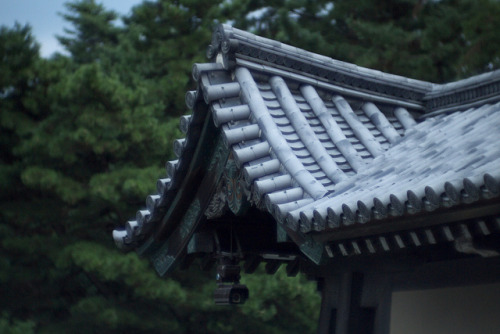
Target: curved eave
(178, 208)
(163, 230)
(310, 138)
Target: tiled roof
(323, 144)
(336, 165)
(441, 162)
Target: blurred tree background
(84, 136)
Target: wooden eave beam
(409, 222)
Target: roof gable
(319, 144)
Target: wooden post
(355, 303)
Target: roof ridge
(235, 34)
(232, 46)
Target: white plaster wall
(465, 310)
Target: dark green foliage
(94, 30)
(84, 137)
(163, 40)
(480, 30)
(436, 41)
(19, 54)
(83, 141)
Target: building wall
(465, 310)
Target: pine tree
(85, 166)
(78, 161)
(163, 39)
(19, 54)
(480, 27)
(93, 30)
(437, 41)
(84, 137)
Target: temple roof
(325, 146)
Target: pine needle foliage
(84, 136)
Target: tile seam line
(303, 79)
(273, 135)
(306, 133)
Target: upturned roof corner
(301, 156)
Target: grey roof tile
(229, 114)
(435, 161)
(293, 133)
(253, 172)
(271, 132)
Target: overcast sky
(43, 17)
